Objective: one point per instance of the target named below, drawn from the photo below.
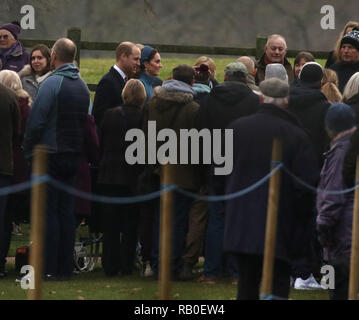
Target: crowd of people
(313, 110)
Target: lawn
(96, 286)
(93, 69)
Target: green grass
(92, 70)
(96, 286)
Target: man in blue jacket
(57, 120)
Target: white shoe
(308, 284)
(148, 270)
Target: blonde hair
(336, 51)
(209, 62)
(352, 86)
(134, 93)
(11, 80)
(330, 86)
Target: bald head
(65, 50)
(249, 63)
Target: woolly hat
(234, 67)
(340, 117)
(352, 38)
(276, 70)
(275, 88)
(14, 29)
(145, 53)
(311, 74)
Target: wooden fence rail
(75, 35)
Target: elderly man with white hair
(274, 52)
(245, 217)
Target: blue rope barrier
(318, 190)
(165, 188)
(24, 185)
(106, 199)
(235, 194)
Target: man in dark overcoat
(245, 217)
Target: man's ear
(254, 73)
(225, 77)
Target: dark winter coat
(59, 114)
(9, 129)
(173, 102)
(344, 71)
(245, 217)
(21, 166)
(310, 106)
(108, 94)
(261, 69)
(113, 168)
(226, 102)
(350, 159)
(335, 211)
(83, 178)
(354, 103)
(14, 58)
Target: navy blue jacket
(245, 217)
(108, 94)
(59, 113)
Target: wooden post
(261, 41)
(38, 207)
(354, 261)
(271, 224)
(75, 35)
(166, 236)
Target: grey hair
(352, 86)
(280, 102)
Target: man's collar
(123, 75)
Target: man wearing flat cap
(349, 58)
(13, 55)
(245, 217)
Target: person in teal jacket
(150, 69)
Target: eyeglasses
(5, 36)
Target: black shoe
(50, 277)
(186, 273)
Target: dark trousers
(5, 223)
(250, 270)
(181, 207)
(217, 262)
(60, 218)
(147, 214)
(342, 272)
(120, 232)
(198, 217)
(309, 261)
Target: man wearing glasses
(13, 55)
